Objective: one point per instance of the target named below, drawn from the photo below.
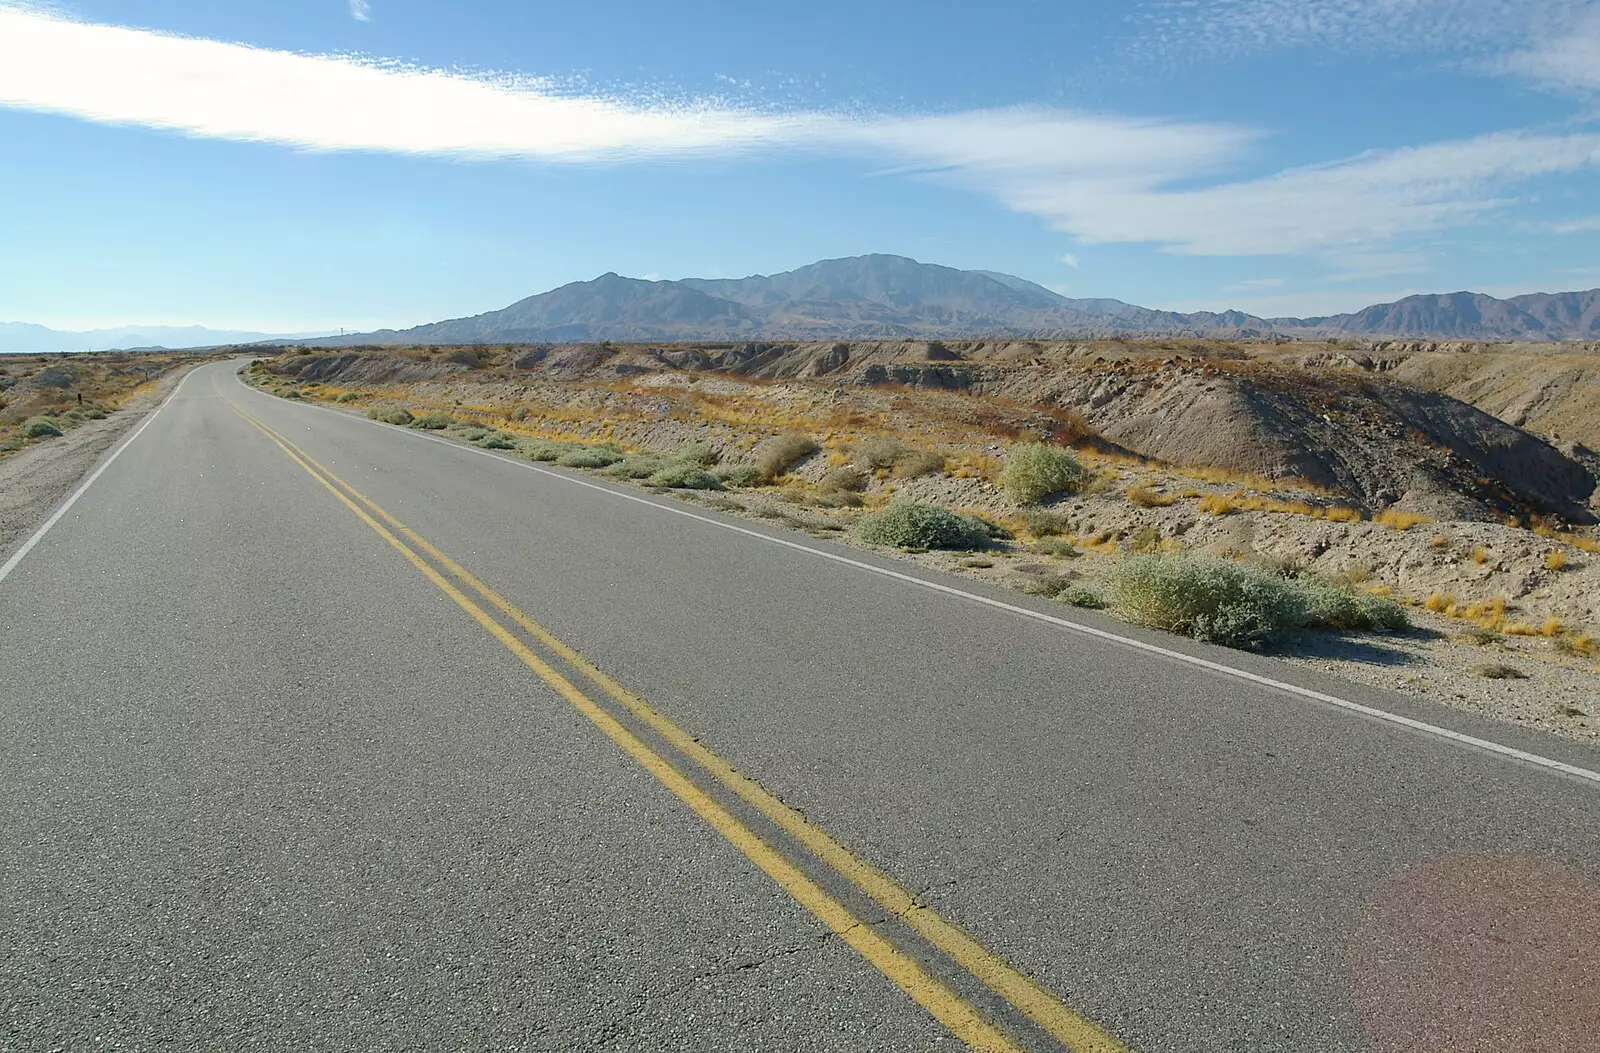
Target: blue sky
(312, 164)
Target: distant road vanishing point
(325, 735)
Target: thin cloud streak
(1587, 225)
(1098, 178)
(1570, 60)
(1232, 27)
(361, 10)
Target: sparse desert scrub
(391, 415)
(685, 476)
(548, 449)
(638, 466)
(1575, 644)
(1148, 539)
(1036, 580)
(697, 453)
(40, 428)
(433, 420)
(846, 478)
(740, 474)
(590, 457)
(1398, 520)
(877, 452)
(783, 453)
(1080, 595)
(1328, 607)
(918, 463)
(1498, 671)
(1035, 470)
(1043, 523)
(906, 524)
(1055, 546)
(1555, 559)
(348, 396)
(1209, 599)
(1148, 497)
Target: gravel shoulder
(34, 481)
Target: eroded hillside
(1340, 420)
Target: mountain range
(892, 297)
(27, 338)
(878, 297)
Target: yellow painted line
(1068, 1026)
(939, 1000)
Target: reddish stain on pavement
(1481, 954)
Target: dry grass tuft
(1397, 520)
(1555, 559)
(1147, 497)
(1499, 671)
(784, 453)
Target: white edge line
(66, 506)
(1127, 641)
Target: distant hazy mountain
(1535, 316)
(889, 297)
(25, 338)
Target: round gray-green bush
(40, 428)
(907, 524)
(1209, 599)
(1035, 470)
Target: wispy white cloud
(1586, 225)
(1069, 259)
(1552, 42)
(1569, 59)
(361, 10)
(230, 91)
(1431, 26)
(1345, 206)
(1098, 178)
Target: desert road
(321, 734)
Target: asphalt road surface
(324, 734)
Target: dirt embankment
(1338, 421)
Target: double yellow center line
(1067, 1026)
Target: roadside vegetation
(1035, 470)
(905, 524)
(1019, 497)
(43, 397)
